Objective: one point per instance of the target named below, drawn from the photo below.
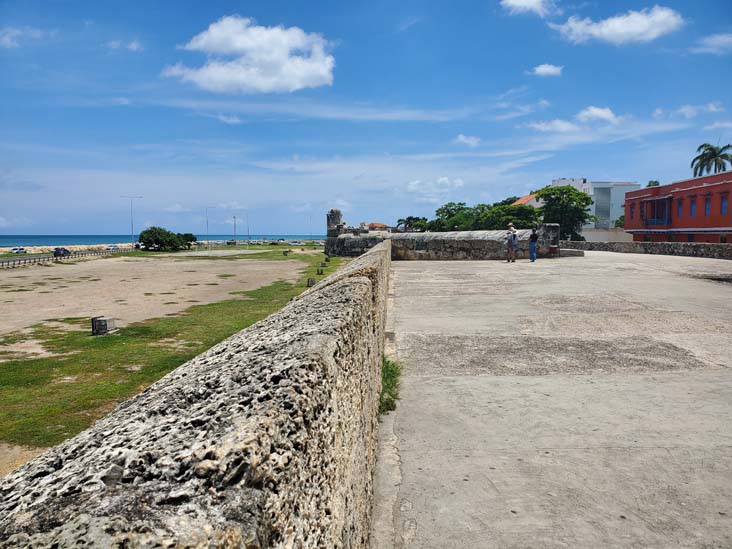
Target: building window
(692, 207)
(723, 208)
(707, 206)
(632, 210)
(679, 208)
(723, 239)
(691, 238)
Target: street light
(132, 222)
(208, 238)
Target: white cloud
(231, 120)
(542, 8)
(433, 191)
(408, 22)
(469, 140)
(11, 37)
(176, 208)
(658, 113)
(547, 69)
(556, 126)
(233, 205)
(691, 111)
(247, 58)
(133, 45)
(597, 113)
(645, 25)
(718, 44)
(721, 125)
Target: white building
(608, 198)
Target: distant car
(112, 248)
(18, 251)
(61, 252)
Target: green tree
(711, 158)
(498, 217)
(157, 238)
(620, 222)
(654, 183)
(566, 206)
(507, 201)
(412, 223)
(187, 239)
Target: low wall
(691, 249)
(454, 245)
(266, 440)
(615, 234)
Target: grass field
(47, 400)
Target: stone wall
(455, 245)
(692, 249)
(266, 440)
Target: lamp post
(235, 231)
(132, 222)
(208, 238)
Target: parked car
(113, 248)
(18, 251)
(61, 252)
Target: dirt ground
(129, 289)
(126, 288)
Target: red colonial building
(694, 210)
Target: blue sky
(281, 110)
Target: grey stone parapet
(267, 439)
(454, 245)
(690, 249)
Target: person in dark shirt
(532, 245)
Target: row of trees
(159, 239)
(564, 205)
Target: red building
(694, 210)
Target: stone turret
(336, 225)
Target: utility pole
(132, 221)
(234, 231)
(249, 238)
(208, 238)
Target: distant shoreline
(93, 242)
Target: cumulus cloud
(547, 69)
(645, 25)
(718, 44)
(542, 8)
(469, 140)
(597, 113)
(557, 125)
(691, 111)
(12, 37)
(433, 191)
(247, 58)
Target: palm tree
(711, 158)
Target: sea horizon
(9, 241)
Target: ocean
(11, 240)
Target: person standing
(512, 242)
(532, 245)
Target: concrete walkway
(580, 402)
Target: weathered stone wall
(348, 245)
(266, 440)
(692, 249)
(454, 245)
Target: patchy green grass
(47, 400)
(226, 275)
(390, 373)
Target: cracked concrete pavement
(580, 402)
